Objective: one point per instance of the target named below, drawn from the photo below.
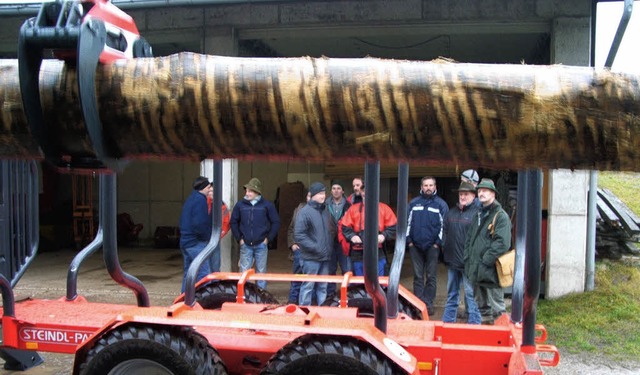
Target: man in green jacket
(489, 237)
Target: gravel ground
(580, 364)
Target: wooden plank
(623, 207)
(620, 210)
(607, 213)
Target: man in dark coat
(337, 205)
(456, 226)
(315, 234)
(488, 238)
(195, 227)
(254, 222)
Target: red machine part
(119, 26)
(246, 336)
(122, 32)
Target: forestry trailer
(132, 106)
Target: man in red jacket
(353, 229)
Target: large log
(434, 113)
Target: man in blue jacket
(196, 226)
(424, 237)
(254, 222)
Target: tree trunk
(433, 113)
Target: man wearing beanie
(196, 226)
(489, 237)
(315, 234)
(254, 222)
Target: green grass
(623, 184)
(605, 321)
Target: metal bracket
(65, 28)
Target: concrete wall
(153, 192)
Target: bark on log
(433, 113)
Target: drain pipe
(591, 231)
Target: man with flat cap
(314, 232)
(254, 222)
(196, 226)
(489, 237)
(454, 234)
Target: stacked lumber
(617, 227)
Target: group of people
(476, 231)
(327, 231)
(254, 222)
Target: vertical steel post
(214, 240)
(371, 283)
(401, 240)
(517, 291)
(533, 259)
(108, 210)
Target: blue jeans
(455, 278)
(337, 258)
(308, 288)
(358, 267)
(258, 253)
(189, 254)
(425, 264)
(294, 290)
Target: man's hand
(241, 242)
(295, 247)
(380, 238)
(356, 239)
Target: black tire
(357, 296)
(317, 355)
(136, 350)
(211, 296)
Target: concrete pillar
(567, 232)
(570, 40)
(567, 223)
(221, 41)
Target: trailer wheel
(211, 296)
(135, 350)
(317, 355)
(358, 297)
